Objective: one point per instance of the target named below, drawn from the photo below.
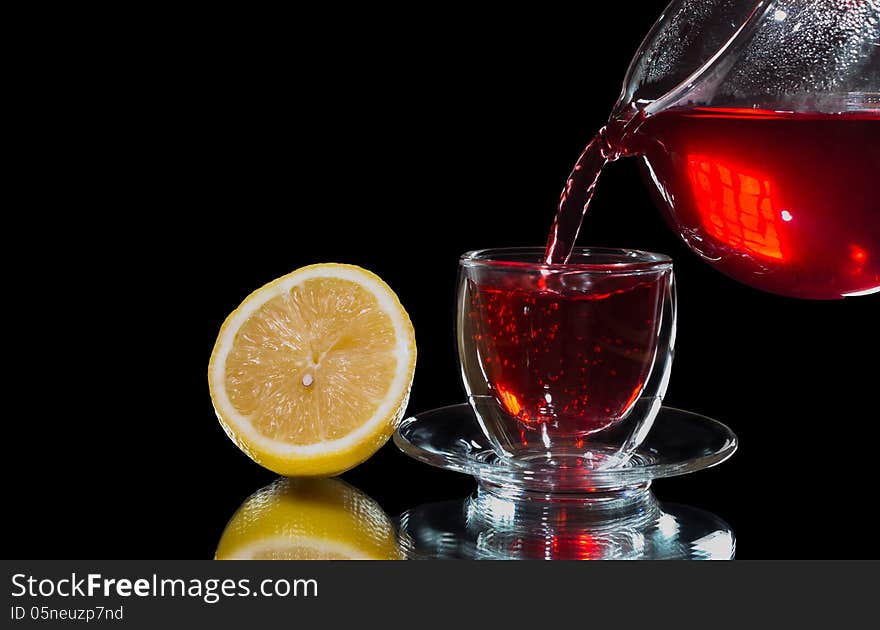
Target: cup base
(590, 458)
(613, 448)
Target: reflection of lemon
(311, 373)
(308, 519)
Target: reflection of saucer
(470, 529)
(679, 442)
(308, 519)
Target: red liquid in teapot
(784, 202)
(787, 203)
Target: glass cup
(566, 364)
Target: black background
(170, 177)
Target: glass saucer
(486, 528)
(679, 442)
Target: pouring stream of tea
(605, 147)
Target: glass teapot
(758, 126)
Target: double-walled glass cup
(566, 364)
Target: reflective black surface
(153, 218)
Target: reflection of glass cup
(567, 363)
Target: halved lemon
(309, 519)
(311, 373)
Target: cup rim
(618, 260)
